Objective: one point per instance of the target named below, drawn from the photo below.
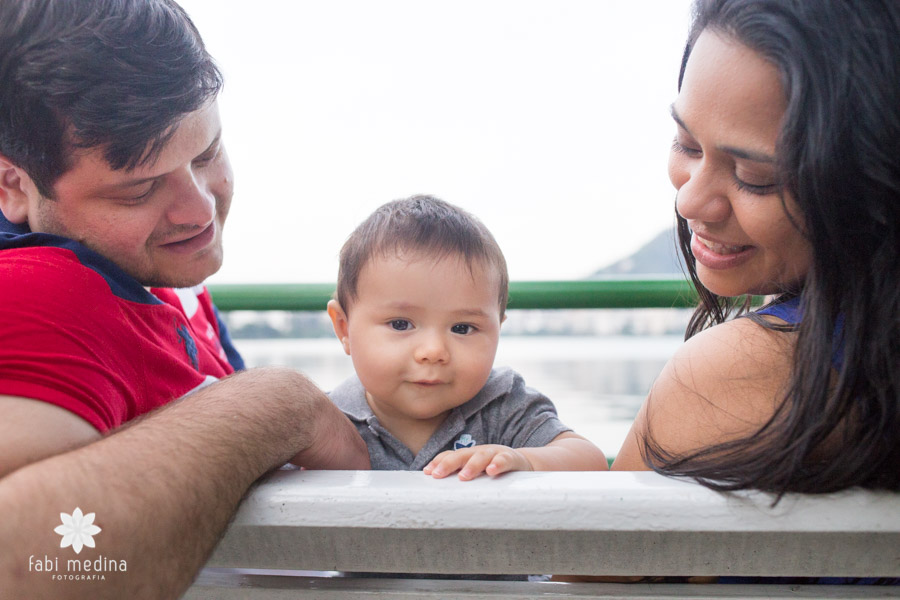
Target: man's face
(161, 222)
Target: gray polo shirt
(505, 411)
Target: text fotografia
(77, 569)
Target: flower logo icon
(77, 530)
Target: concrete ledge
(562, 523)
(215, 585)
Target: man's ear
(15, 185)
(340, 323)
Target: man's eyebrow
(742, 153)
(125, 185)
(213, 143)
(136, 182)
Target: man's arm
(164, 488)
(31, 430)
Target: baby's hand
(492, 459)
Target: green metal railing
(588, 293)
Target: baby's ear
(340, 323)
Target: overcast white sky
(548, 119)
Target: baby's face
(423, 334)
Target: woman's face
(728, 115)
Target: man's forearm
(162, 489)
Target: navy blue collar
(122, 285)
(7, 227)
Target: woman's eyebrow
(742, 153)
(751, 155)
(678, 120)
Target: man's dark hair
(419, 224)
(112, 74)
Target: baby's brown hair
(419, 224)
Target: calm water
(596, 382)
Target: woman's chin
(731, 288)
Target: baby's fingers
(477, 464)
(435, 461)
(506, 461)
(446, 462)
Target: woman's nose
(702, 194)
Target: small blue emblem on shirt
(464, 441)
(189, 345)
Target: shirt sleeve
(524, 417)
(53, 348)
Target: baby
(422, 291)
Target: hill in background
(658, 256)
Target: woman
(786, 163)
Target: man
(117, 396)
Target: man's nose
(192, 202)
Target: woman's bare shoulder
(731, 361)
(721, 384)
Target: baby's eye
(400, 324)
(462, 328)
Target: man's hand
(335, 444)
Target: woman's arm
(722, 384)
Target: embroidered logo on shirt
(189, 345)
(464, 441)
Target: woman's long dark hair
(839, 158)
